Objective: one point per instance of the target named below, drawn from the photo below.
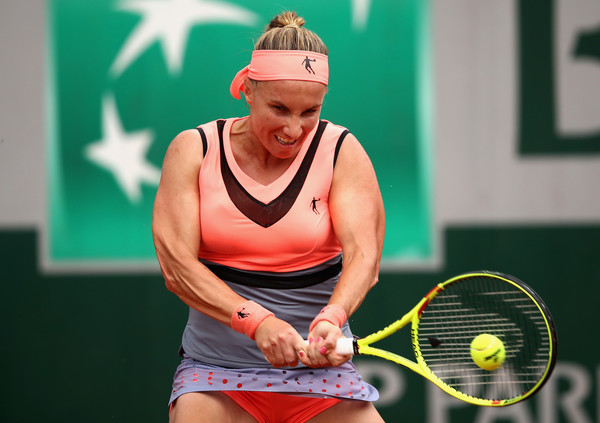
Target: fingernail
(319, 339)
(323, 350)
(311, 340)
(301, 354)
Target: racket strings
(485, 304)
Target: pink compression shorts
(268, 407)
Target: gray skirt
(337, 382)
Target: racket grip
(344, 346)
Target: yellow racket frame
(420, 367)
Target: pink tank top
(281, 227)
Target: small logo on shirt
(313, 205)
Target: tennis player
(270, 228)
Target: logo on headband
(307, 66)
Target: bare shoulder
(354, 182)
(187, 144)
(183, 159)
(353, 161)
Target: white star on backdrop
(360, 13)
(170, 21)
(122, 153)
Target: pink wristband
(247, 316)
(333, 313)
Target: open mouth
(285, 142)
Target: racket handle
(344, 346)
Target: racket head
(458, 310)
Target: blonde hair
(286, 32)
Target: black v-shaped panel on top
(263, 214)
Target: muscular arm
(176, 232)
(359, 223)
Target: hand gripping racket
(451, 315)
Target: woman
(270, 228)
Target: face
(282, 114)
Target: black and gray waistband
(278, 280)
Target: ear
(248, 90)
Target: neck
(252, 157)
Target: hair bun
(286, 20)
(287, 32)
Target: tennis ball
(487, 351)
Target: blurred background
(482, 120)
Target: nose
(293, 128)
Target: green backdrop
(87, 348)
(85, 341)
(114, 85)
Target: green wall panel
(103, 348)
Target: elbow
(171, 284)
(368, 261)
(375, 280)
(168, 270)
(175, 282)
(373, 261)
(170, 280)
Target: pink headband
(277, 65)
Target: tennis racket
(451, 315)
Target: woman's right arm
(176, 232)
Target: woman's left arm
(358, 219)
(359, 222)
